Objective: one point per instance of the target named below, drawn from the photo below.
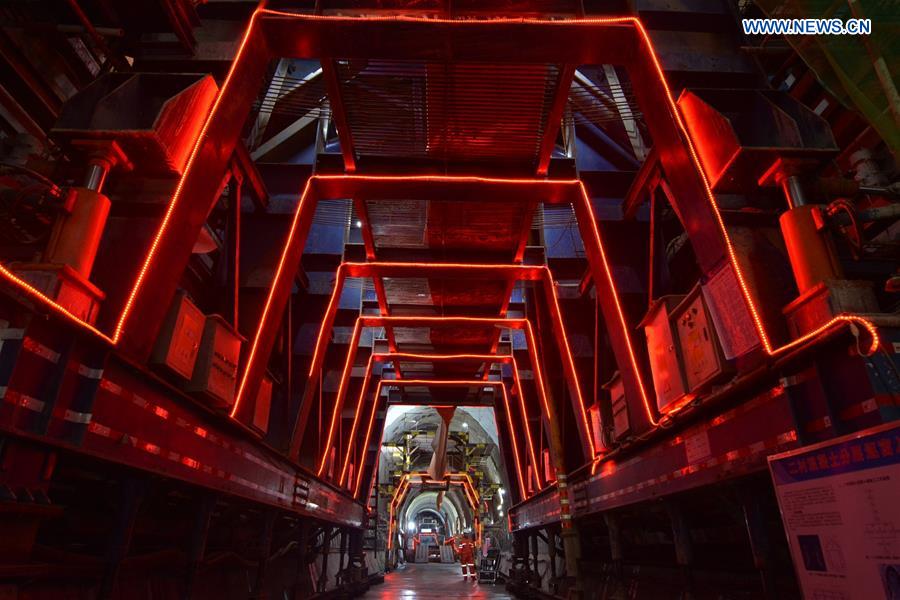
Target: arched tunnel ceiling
(478, 422)
(451, 509)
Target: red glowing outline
(400, 356)
(534, 461)
(451, 383)
(151, 252)
(542, 392)
(402, 488)
(348, 367)
(371, 269)
(37, 295)
(515, 443)
(673, 109)
(422, 322)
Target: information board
(840, 505)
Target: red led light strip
(515, 444)
(362, 450)
(420, 322)
(437, 383)
(35, 294)
(430, 357)
(348, 366)
(151, 253)
(396, 499)
(372, 269)
(352, 435)
(374, 411)
(673, 109)
(676, 113)
(402, 489)
(268, 305)
(534, 461)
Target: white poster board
(840, 505)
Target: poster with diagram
(840, 505)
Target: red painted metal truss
(262, 345)
(270, 34)
(429, 383)
(119, 415)
(372, 410)
(409, 479)
(547, 409)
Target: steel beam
(246, 165)
(365, 225)
(554, 119)
(621, 41)
(262, 346)
(547, 404)
(518, 257)
(339, 113)
(138, 421)
(624, 110)
(194, 198)
(274, 95)
(285, 134)
(644, 181)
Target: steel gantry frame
(539, 274)
(400, 492)
(614, 40)
(425, 383)
(457, 189)
(549, 411)
(610, 40)
(453, 383)
(487, 359)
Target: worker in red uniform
(465, 549)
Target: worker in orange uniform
(465, 549)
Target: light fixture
(359, 224)
(411, 526)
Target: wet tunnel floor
(433, 581)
